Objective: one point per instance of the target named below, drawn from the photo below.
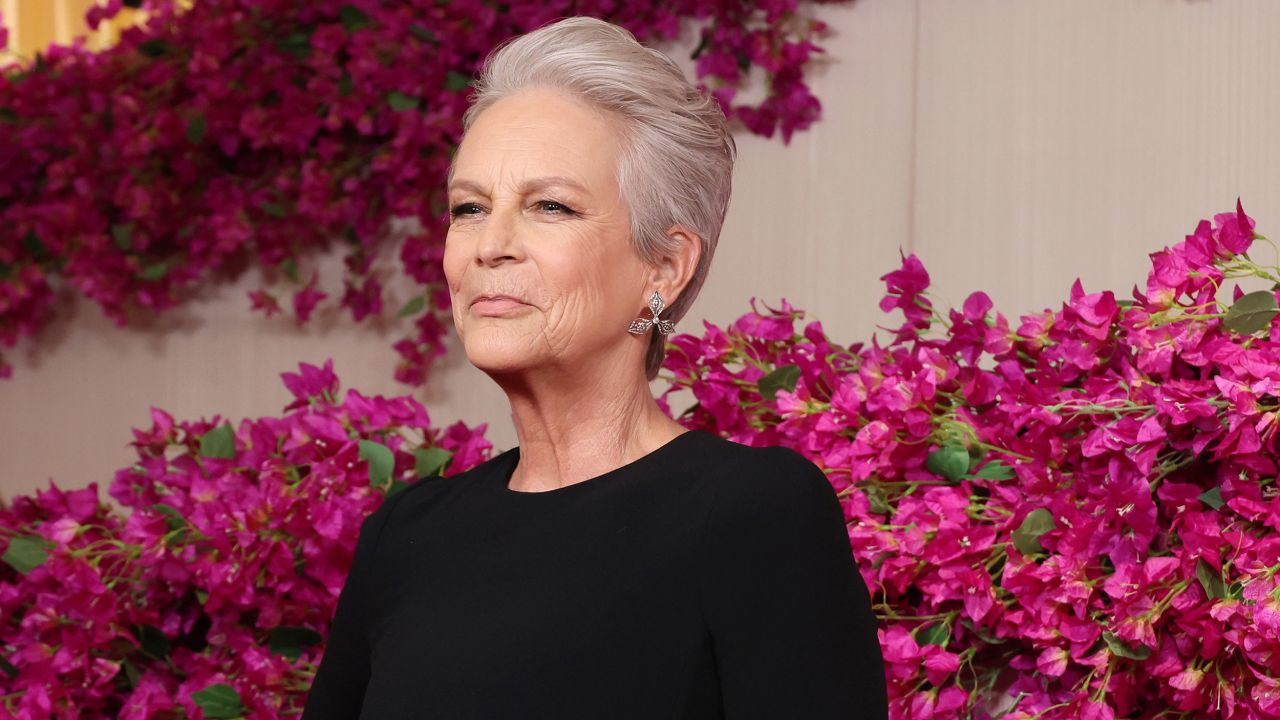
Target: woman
(614, 564)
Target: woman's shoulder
(764, 465)
(768, 481)
(773, 514)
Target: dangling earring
(639, 325)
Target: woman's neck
(575, 430)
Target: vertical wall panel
(819, 220)
(1069, 139)
(9, 17)
(36, 25)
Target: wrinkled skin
(575, 377)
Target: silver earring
(639, 325)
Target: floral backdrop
(263, 131)
(1070, 516)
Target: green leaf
(219, 700)
(1210, 580)
(153, 641)
(33, 245)
(202, 596)
(982, 634)
(9, 668)
(122, 235)
(155, 48)
(876, 501)
(382, 462)
(455, 81)
(345, 86)
(275, 210)
(196, 128)
(396, 486)
(220, 442)
(401, 102)
(702, 45)
(1236, 590)
(289, 641)
(131, 673)
(414, 306)
(27, 552)
(172, 517)
(782, 378)
(949, 461)
(1212, 497)
(155, 270)
(353, 18)
(290, 269)
(1252, 312)
(995, 470)
(430, 461)
(297, 43)
(423, 34)
(937, 633)
(1027, 537)
(1125, 650)
(7, 115)
(5, 270)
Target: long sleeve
(337, 692)
(789, 614)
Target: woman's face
(536, 214)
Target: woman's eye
(557, 208)
(461, 209)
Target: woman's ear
(676, 269)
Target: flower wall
(1070, 516)
(1073, 516)
(209, 596)
(260, 132)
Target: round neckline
(504, 477)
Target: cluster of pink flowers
(261, 131)
(212, 597)
(1071, 517)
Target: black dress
(704, 580)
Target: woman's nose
(499, 239)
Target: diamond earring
(639, 325)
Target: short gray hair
(677, 155)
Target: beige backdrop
(1014, 146)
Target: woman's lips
(497, 307)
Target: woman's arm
(337, 692)
(790, 616)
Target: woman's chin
(498, 358)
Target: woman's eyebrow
(533, 185)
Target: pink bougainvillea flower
(306, 299)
